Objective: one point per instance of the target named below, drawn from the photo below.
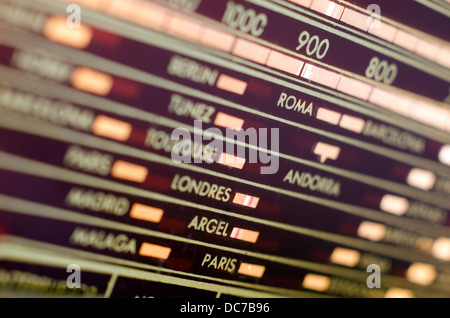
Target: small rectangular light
(443, 56)
(146, 213)
(328, 8)
(228, 121)
(303, 3)
(441, 248)
(354, 87)
(129, 171)
(315, 282)
(185, 27)
(321, 76)
(352, 123)
(120, 8)
(391, 101)
(150, 14)
(371, 231)
(430, 114)
(244, 235)
(284, 63)
(399, 293)
(421, 179)
(217, 39)
(426, 49)
(329, 116)
(345, 257)
(56, 30)
(326, 151)
(251, 51)
(405, 40)
(394, 204)
(96, 4)
(384, 31)
(356, 19)
(422, 274)
(444, 155)
(92, 81)
(251, 270)
(111, 128)
(231, 161)
(245, 200)
(231, 84)
(155, 251)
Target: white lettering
(101, 240)
(314, 182)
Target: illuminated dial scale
(87, 176)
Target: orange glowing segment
(371, 231)
(444, 155)
(384, 30)
(92, 81)
(328, 8)
(422, 274)
(352, 123)
(429, 113)
(321, 76)
(217, 39)
(394, 204)
(284, 63)
(421, 179)
(315, 282)
(443, 56)
(391, 101)
(356, 19)
(146, 213)
(150, 14)
(405, 40)
(57, 30)
(354, 87)
(245, 200)
(244, 235)
(231, 84)
(228, 121)
(326, 151)
(123, 9)
(231, 161)
(329, 116)
(89, 3)
(399, 293)
(250, 51)
(426, 49)
(111, 128)
(251, 270)
(304, 3)
(129, 171)
(441, 248)
(346, 257)
(185, 27)
(155, 251)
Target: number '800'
(381, 71)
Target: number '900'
(314, 46)
(381, 71)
